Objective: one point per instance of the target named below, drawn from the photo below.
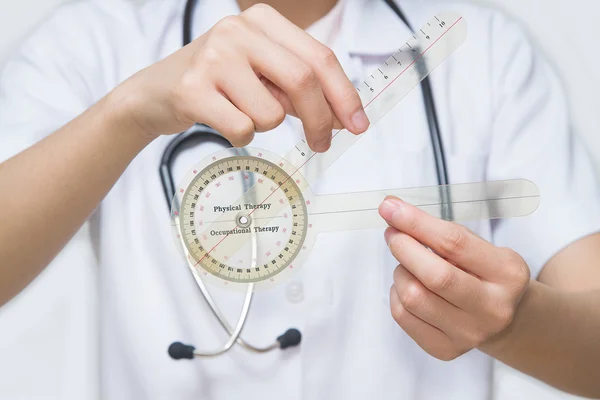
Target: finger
(280, 96)
(224, 117)
(300, 84)
(428, 337)
(338, 89)
(449, 240)
(436, 274)
(287, 104)
(244, 89)
(428, 306)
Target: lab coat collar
(371, 28)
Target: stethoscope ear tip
(178, 351)
(292, 337)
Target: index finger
(451, 241)
(337, 88)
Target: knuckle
(229, 25)
(517, 271)
(278, 115)
(242, 133)
(399, 313)
(503, 316)
(445, 354)
(271, 118)
(349, 96)
(443, 281)
(454, 241)
(511, 256)
(303, 79)
(412, 297)
(324, 123)
(477, 338)
(181, 91)
(260, 10)
(326, 57)
(187, 80)
(210, 56)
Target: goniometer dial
(242, 219)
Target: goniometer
(248, 216)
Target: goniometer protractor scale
(211, 200)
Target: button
(295, 292)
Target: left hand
(458, 297)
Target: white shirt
(502, 116)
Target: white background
(49, 317)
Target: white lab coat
(502, 115)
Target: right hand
(243, 76)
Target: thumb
(386, 212)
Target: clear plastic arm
(458, 202)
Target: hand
(458, 297)
(244, 75)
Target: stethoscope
(203, 134)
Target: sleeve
(532, 139)
(50, 80)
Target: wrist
(506, 341)
(121, 108)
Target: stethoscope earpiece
(178, 350)
(290, 338)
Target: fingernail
(389, 207)
(360, 121)
(386, 236)
(323, 145)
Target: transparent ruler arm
(468, 202)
